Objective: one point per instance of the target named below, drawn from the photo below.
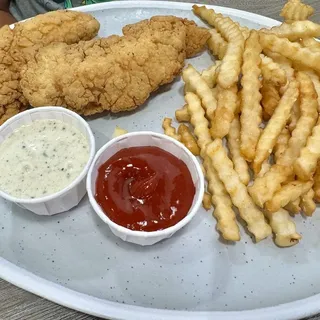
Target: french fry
(244, 30)
(282, 143)
(118, 132)
(240, 164)
(192, 77)
(231, 62)
(224, 114)
(210, 75)
(293, 206)
(223, 212)
(237, 190)
(316, 185)
(305, 166)
(226, 222)
(169, 130)
(284, 228)
(188, 139)
(306, 122)
(276, 124)
(284, 63)
(270, 99)
(272, 71)
(291, 50)
(216, 44)
(307, 204)
(289, 192)
(198, 121)
(295, 30)
(251, 111)
(295, 115)
(316, 82)
(206, 201)
(295, 10)
(310, 43)
(265, 167)
(182, 114)
(265, 186)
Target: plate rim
(61, 295)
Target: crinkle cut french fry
(251, 111)
(316, 185)
(231, 62)
(282, 143)
(198, 121)
(188, 139)
(217, 45)
(284, 228)
(306, 122)
(316, 82)
(206, 201)
(270, 99)
(210, 75)
(275, 125)
(306, 164)
(293, 206)
(264, 187)
(295, 10)
(291, 50)
(182, 114)
(223, 212)
(169, 130)
(192, 77)
(225, 112)
(289, 192)
(284, 63)
(272, 72)
(240, 164)
(295, 30)
(307, 204)
(265, 167)
(237, 190)
(208, 15)
(310, 43)
(295, 115)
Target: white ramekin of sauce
(145, 186)
(45, 154)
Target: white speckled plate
(75, 260)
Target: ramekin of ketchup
(145, 186)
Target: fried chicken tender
(196, 37)
(114, 73)
(18, 45)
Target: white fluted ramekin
(71, 195)
(139, 139)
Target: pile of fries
(253, 117)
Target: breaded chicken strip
(19, 44)
(196, 36)
(116, 73)
(56, 26)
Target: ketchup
(144, 188)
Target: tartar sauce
(41, 158)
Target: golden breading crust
(18, 45)
(115, 73)
(196, 36)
